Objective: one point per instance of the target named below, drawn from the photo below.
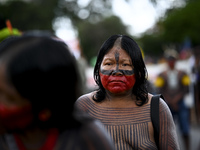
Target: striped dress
(128, 127)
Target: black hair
(133, 50)
(43, 70)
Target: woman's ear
(44, 115)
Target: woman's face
(116, 71)
(15, 111)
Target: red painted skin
(15, 117)
(117, 84)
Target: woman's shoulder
(163, 107)
(87, 96)
(84, 101)
(161, 100)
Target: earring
(44, 115)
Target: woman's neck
(118, 100)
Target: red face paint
(15, 117)
(116, 72)
(117, 84)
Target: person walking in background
(38, 89)
(196, 84)
(122, 102)
(173, 84)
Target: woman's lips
(116, 81)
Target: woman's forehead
(116, 51)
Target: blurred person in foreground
(122, 102)
(173, 84)
(38, 88)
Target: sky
(138, 15)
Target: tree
(178, 25)
(40, 14)
(183, 23)
(92, 35)
(152, 45)
(29, 15)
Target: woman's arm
(168, 139)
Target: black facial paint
(112, 72)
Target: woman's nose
(117, 72)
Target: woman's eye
(108, 64)
(126, 65)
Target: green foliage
(40, 14)
(182, 23)
(95, 10)
(29, 15)
(173, 29)
(89, 20)
(92, 36)
(152, 45)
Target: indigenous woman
(122, 102)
